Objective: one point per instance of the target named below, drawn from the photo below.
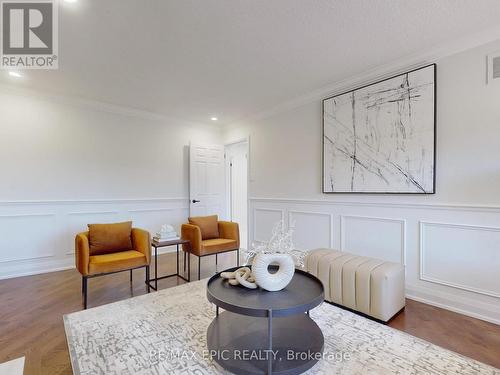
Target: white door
(237, 183)
(206, 180)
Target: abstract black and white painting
(381, 138)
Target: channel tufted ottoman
(370, 286)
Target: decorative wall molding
(25, 235)
(406, 218)
(157, 209)
(23, 259)
(312, 213)
(93, 201)
(281, 212)
(36, 214)
(423, 206)
(52, 247)
(92, 213)
(401, 222)
(422, 256)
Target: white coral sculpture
(281, 242)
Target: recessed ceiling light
(213, 118)
(15, 74)
(70, 1)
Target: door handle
(195, 201)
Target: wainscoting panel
(38, 237)
(454, 266)
(305, 223)
(264, 219)
(374, 237)
(461, 256)
(27, 236)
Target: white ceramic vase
(273, 281)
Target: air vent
(495, 67)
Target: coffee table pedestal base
(240, 343)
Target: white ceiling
(193, 59)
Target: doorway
(236, 161)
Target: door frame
(227, 182)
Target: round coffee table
(265, 332)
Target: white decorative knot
(242, 276)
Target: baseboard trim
(37, 272)
(447, 303)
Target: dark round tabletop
(304, 293)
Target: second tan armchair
(209, 236)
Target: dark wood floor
(32, 307)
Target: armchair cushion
(119, 261)
(208, 225)
(110, 238)
(218, 245)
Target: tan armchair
(111, 248)
(209, 236)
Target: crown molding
(100, 106)
(378, 73)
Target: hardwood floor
(32, 307)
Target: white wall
(450, 241)
(64, 165)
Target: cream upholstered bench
(370, 286)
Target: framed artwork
(381, 138)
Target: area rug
(165, 333)
(14, 367)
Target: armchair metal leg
(215, 262)
(147, 279)
(184, 261)
(238, 258)
(199, 267)
(130, 276)
(84, 288)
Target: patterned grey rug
(165, 333)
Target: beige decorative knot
(242, 276)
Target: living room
(205, 187)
